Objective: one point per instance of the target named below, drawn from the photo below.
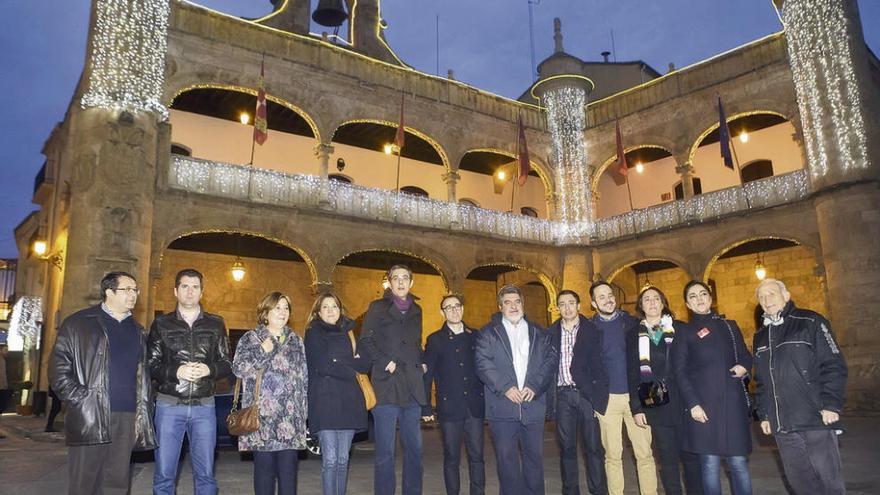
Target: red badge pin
(703, 332)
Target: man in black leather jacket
(188, 351)
(98, 366)
(801, 380)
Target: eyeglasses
(404, 278)
(452, 307)
(128, 290)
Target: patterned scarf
(649, 335)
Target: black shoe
(51, 430)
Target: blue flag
(724, 136)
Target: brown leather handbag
(247, 420)
(363, 380)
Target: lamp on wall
(340, 164)
(760, 271)
(41, 251)
(640, 167)
(244, 118)
(744, 137)
(238, 270)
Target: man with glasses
(98, 366)
(516, 363)
(392, 338)
(188, 351)
(449, 357)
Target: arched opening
(340, 178)
(757, 170)
(469, 202)
(414, 191)
(678, 191)
(528, 211)
(217, 123)
(357, 280)
(372, 159)
(491, 175)
(757, 135)
(268, 265)
(733, 272)
(665, 275)
(179, 149)
(650, 177)
(481, 289)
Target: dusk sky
(486, 43)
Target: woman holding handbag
(270, 361)
(654, 397)
(337, 407)
(710, 361)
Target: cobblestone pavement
(34, 463)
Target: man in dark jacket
(801, 380)
(188, 350)
(449, 357)
(392, 338)
(601, 365)
(574, 411)
(98, 365)
(516, 361)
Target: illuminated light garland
(764, 193)
(566, 121)
(827, 88)
(248, 183)
(129, 43)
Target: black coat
(799, 371)
(450, 361)
(669, 414)
(495, 368)
(335, 398)
(78, 373)
(172, 343)
(586, 331)
(703, 352)
(588, 362)
(389, 335)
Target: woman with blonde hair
(336, 404)
(274, 351)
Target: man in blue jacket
(801, 381)
(516, 362)
(449, 357)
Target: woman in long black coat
(710, 360)
(336, 403)
(649, 358)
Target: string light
(566, 121)
(127, 68)
(826, 84)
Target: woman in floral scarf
(648, 361)
(274, 350)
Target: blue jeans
(740, 481)
(519, 452)
(335, 445)
(385, 419)
(470, 430)
(199, 423)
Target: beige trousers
(611, 426)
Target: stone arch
(416, 132)
(546, 280)
(594, 181)
(719, 249)
(538, 166)
(695, 144)
(313, 125)
(669, 279)
(442, 271)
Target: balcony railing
(248, 183)
(258, 185)
(756, 195)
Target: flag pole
(629, 193)
(253, 146)
(513, 184)
(397, 184)
(738, 170)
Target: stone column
(322, 153)
(837, 103)
(686, 172)
(577, 273)
(451, 179)
(551, 198)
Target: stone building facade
(112, 196)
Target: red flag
(399, 138)
(620, 165)
(522, 150)
(261, 125)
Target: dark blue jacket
(494, 360)
(586, 331)
(450, 361)
(588, 362)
